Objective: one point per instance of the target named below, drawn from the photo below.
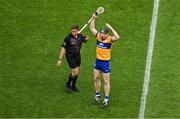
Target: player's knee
(96, 80)
(106, 82)
(96, 77)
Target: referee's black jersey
(73, 45)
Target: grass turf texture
(31, 32)
(164, 92)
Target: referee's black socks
(74, 79)
(69, 80)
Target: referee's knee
(75, 72)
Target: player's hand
(59, 62)
(94, 16)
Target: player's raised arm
(116, 35)
(92, 25)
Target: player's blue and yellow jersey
(103, 48)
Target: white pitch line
(149, 59)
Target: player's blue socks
(98, 96)
(106, 98)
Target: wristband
(96, 14)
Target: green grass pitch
(164, 91)
(32, 31)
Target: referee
(71, 47)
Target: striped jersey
(103, 48)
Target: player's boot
(96, 100)
(105, 103)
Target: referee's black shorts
(74, 61)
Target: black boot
(73, 87)
(68, 84)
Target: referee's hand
(59, 62)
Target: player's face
(74, 32)
(103, 35)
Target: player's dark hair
(75, 27)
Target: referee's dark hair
(75, 27)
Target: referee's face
(74, 32)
